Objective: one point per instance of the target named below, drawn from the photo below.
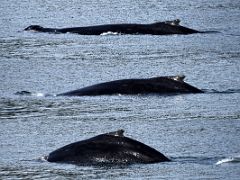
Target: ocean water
(199, 132)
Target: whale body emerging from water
(156, 85)
(158, 28)
(113, 148)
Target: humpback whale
(157, 28)
(108, 148)
(156, 85)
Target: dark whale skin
(156, 85)
(158, 28)
(106, 148)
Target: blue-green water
(195, 130)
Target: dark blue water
(199, 132)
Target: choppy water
(199, 132)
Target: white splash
(36, 94)
(39, 94)
(235, 159)
(43, 158)
(109, 33)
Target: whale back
(171, 27)
(157, 28)
(110, 147)
(157, 85)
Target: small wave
(237, 35)
(228, 91)
(42, 159)
(194, 160)
(39, 159)
(36, 94)
(110, 33)
(229, 160)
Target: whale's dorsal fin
(174, 22)
(178, 78)
(117, 133)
